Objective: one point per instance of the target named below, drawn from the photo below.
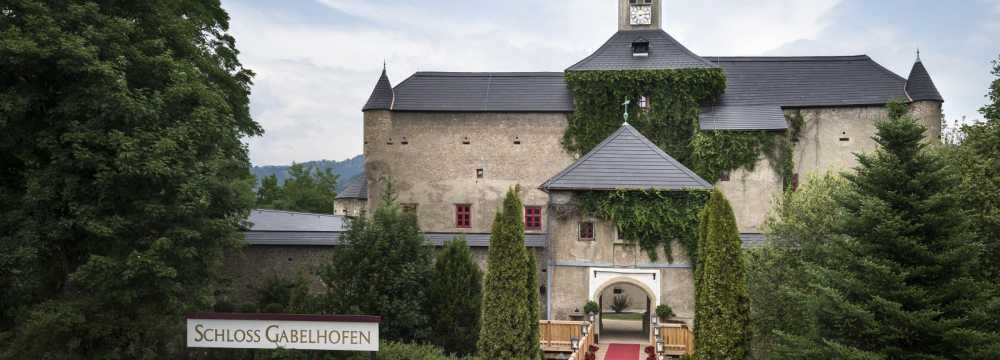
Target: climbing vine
(653, 219)
(657, 218)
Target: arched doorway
(627, 298)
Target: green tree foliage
(510, 308)
(992, 110)
(722, 305)
(269, 192)
(454, 298)
(122, 172)
(802, 225)
(383, 268)
(307, 190)
(900, 285)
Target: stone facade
(434, 161)
(350, 207)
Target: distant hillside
(347, 169)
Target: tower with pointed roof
(925, 99)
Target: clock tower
(639, 14)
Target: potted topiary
(664, 312)
(592, 308)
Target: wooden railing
(678, 339)
(555, 336)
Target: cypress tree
(509, 326)
(900, 286)
(454, 298)
(722, 304)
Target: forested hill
(347, 169)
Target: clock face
(641, 15)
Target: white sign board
(271, 331)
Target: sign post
(285, 331)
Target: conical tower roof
(626, 160)
(919, 85)
(382, 96)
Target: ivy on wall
(656, 219)
(645, 216)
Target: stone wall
(350, 207)
(248, 269)
(427, 157)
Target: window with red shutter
(587, 231)
(533, 217)
(463, 215)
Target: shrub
(283, 294)
(591, 308)
(620, 303)
(664, 311)
(722, 304)
(454, 298)
(510, 307)
(402, 351)
(383, 268)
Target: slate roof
(382, 95)
(743, 117)
(808, 81)
(920, 87)
(626, 160)
(664, 53)
(278, 220)
(484, 92)
(295, 238)
(357, 188)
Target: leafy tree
(802, 225)
(383, 268)
(122, 172)
(992, 110)
(307, 190)
(269, 192)
(454, 298)
(900, 285)
(722, 306)
(509, 319)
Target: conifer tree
(509, 310)
(454, 298)
(901, 286)
(722, 304)
(383, 268)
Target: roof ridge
(589, 154)
(487, 73)
(790, 58)
(664, 154)
(296, 212)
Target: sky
(317, 60)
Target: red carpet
(622, 352)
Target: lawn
(622, 316)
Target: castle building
(454, 143)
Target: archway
(627, 298)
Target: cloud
(317, 60)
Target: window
(724, 176)
(480, 173)
(644, 103)
(587, 231)
(793, 183)
(533, 217)
(410, 208)
(463, 215)
(619, 236)
(640, 48)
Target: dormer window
(640, 48)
